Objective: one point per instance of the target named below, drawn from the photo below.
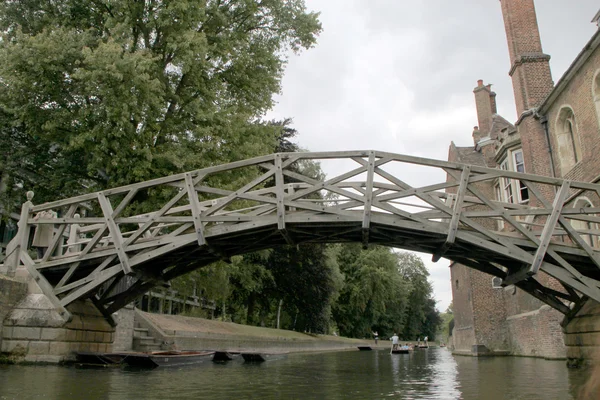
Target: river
(425, 374)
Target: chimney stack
(485, 101)
(530, 67)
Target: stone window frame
(584, 202)
(512, 190)
(567, 138)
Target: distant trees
(384, 291)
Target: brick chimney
(530, 67)
(485, 101)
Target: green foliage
(373, 295)
(109, 92)
(386, 292)
(443, 331)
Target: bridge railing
(447, 209)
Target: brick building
(557, 134)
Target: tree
(373, 295)
(422, 317)
(115, 92)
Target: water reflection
(423, 374)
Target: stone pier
(32, 330)
(582, 335)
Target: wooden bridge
(114, 245)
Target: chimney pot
(480, 82)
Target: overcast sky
(398, 76)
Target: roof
(500, 126)
(564, 81)
(468, 155)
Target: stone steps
(143, 341)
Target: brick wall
(537, 333)
(463, 333)
(579, 97)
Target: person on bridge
(43, 232)
(376, 336)
(425, 340)
(394, 340)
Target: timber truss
(114, 245)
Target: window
(507, 190)
(567, 140)
(496, 282)
(519, 164)
(585, 227)
(512, 190)
(498, 194)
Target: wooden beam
(98, 280)
(115, 232)
(538, 291)
(458, 204)
(195, 206)
(368, 200)
(280, 195)
(58, 235)
(547, 232)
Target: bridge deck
(131, 238)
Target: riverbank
(189, 333)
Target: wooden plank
(67, 276)
(458, 204)
(155, 216)
(538, 291)
(67, 287)
(548, 230)
(195, 207)
(510, 250)
(127, 297)
(125, 202)
(58, 234)
(590, 288)
(115, 233)
(98, 280)
(280, 196)
(223, 202)
(368, 200)
(109, 318)
(573, 234)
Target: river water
(425, 374)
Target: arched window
(496, 282)
(567, 139)
(596, 94)
(586, 228)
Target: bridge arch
(182, 222)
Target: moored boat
(167, 358)
(261, 357)
(225, 356)
(90, 359)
